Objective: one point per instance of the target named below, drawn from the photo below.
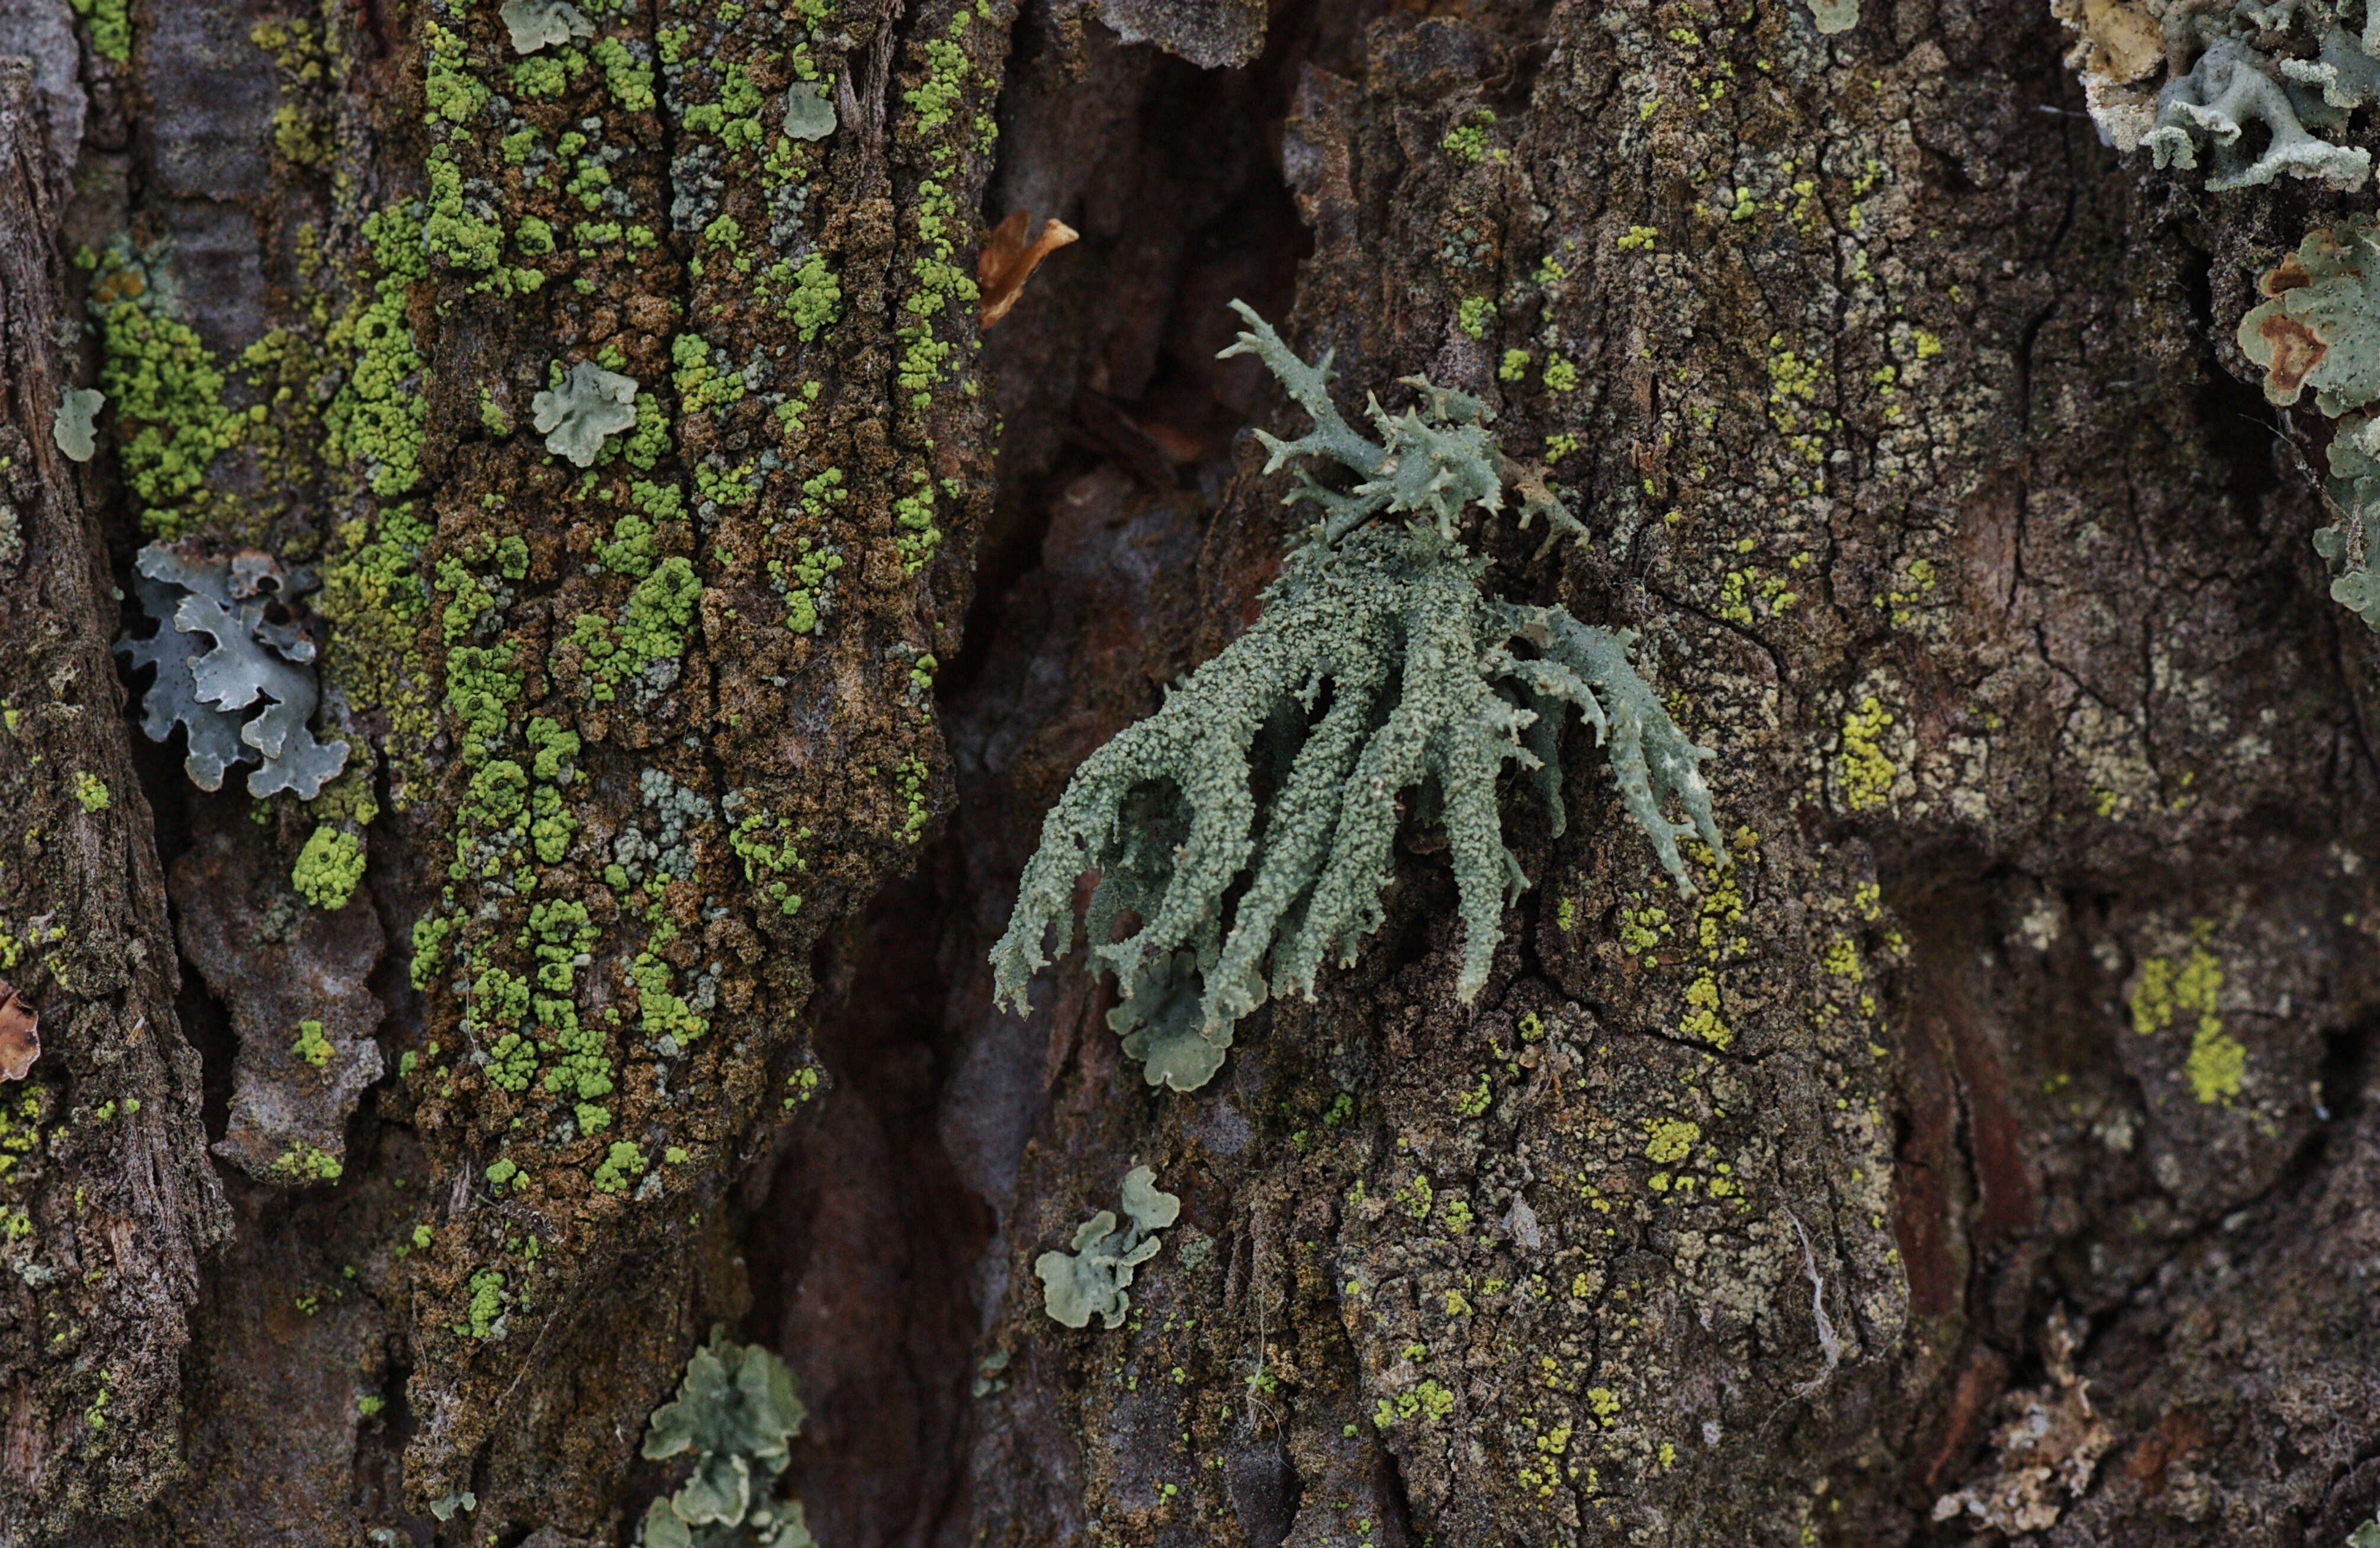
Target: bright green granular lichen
(167, 391)
(701, 386)
(429, 943)
(307, 1164)
(621, 1163)
(486, 1306)
(91, 792)
(110, 24)
(653, 627)
(329, 867)
(377, 415)
(1467, 142)
(447, 87)
(312, 1045)
(1515, 366)
(630, 83)
(814, 297)
(2218, 1062)
(501, 1171)
(1471, 316)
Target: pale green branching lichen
(1434, 465)
(588, 405)
(736, 1410)
(1377, 667)
(1095, 1274)
(71, 427)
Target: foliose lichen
(581, 409)
(735, 1411)
(1375, 667)
(71, 427)
(259, 654)
(1095, 1274)
(810, 113)
(536, 24)
(2250, 90)
(2319, 328)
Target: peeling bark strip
(106, 1200)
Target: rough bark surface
(1988, 1154)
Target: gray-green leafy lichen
(736, 1410)
(2319, 328)
(1095, 1274)
(1377, 667)
(1426, 463)
(257, 655)
(2250, 93)
(810, 114)
(72, 426)
(586, 406)
(536, 24)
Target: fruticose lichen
(71, 427)
(586, 406)
(737, 1409)
(1375, 667)
(2251, 88)
(259, 654)
(2319, 328)
(1096, 1273)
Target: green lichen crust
(1375, 667)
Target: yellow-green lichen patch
(1863, 769)
(2188, 993)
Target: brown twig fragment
(1008, 261)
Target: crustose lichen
(1377, 667)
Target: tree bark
(1985, 1154)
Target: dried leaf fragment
(20, 1034)
(1008, 261)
